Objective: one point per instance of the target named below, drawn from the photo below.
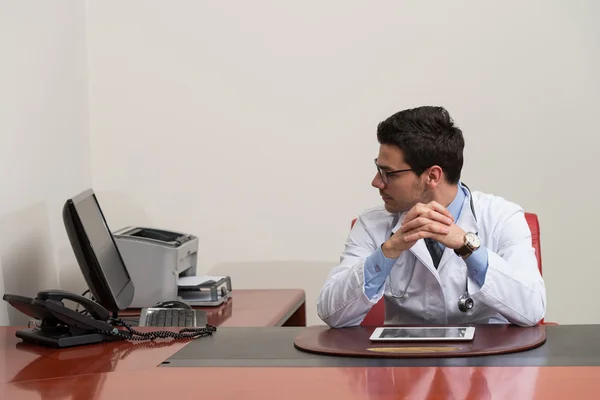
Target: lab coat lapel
(419, 249)
(467, 222)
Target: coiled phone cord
(185, 333)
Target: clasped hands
(430, 220)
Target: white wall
(44, 144)
(252, 124)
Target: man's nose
(377, 182)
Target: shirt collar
(456, 206)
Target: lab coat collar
(466, 221)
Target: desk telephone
(64, 327)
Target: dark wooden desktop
(260, 327)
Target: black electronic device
(96, 251)
(109, 283)
(61, 326)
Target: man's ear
(435, 175)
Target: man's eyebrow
(385, 167)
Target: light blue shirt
(377, 266)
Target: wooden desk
(246, 308)
(320, 383)
(567, 366)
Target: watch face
(472, 240)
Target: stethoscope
(465, 302)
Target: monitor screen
(97, 253)
(102, 244)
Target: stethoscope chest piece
(465, 302)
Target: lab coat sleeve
(477, 265)
(342, 301)
(513, 284)
(377, 268)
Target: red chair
(376, 316)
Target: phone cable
(132, 334)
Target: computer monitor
(96, 252)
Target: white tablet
(423, 333)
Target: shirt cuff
(477, 265)
(376, 269)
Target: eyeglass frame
(385, 174)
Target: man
(437, 252)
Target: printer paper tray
(199, 298)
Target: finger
(414, 212)
(434, 205)
(436, 216)
(433, 227)
(422, 234)
(428, 216)
(430, 211)
(422, 221)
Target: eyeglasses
(385, 174)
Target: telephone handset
(60, 325)
(64, 327)
(97, 320)
(95, 309)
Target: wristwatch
(472, 243)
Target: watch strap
(463, 251)
(466, 249)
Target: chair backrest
(377, 314)
(534, 227)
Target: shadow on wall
(69, 273)
(26, 255)
(307, 275)
(3, 305)
(121, 210)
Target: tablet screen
(395, 333)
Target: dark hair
(427, 137)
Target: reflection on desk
(323, 383)
(85, 361)
(444, 382)
(36, 362)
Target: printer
(156, 260)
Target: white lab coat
(513, 291)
